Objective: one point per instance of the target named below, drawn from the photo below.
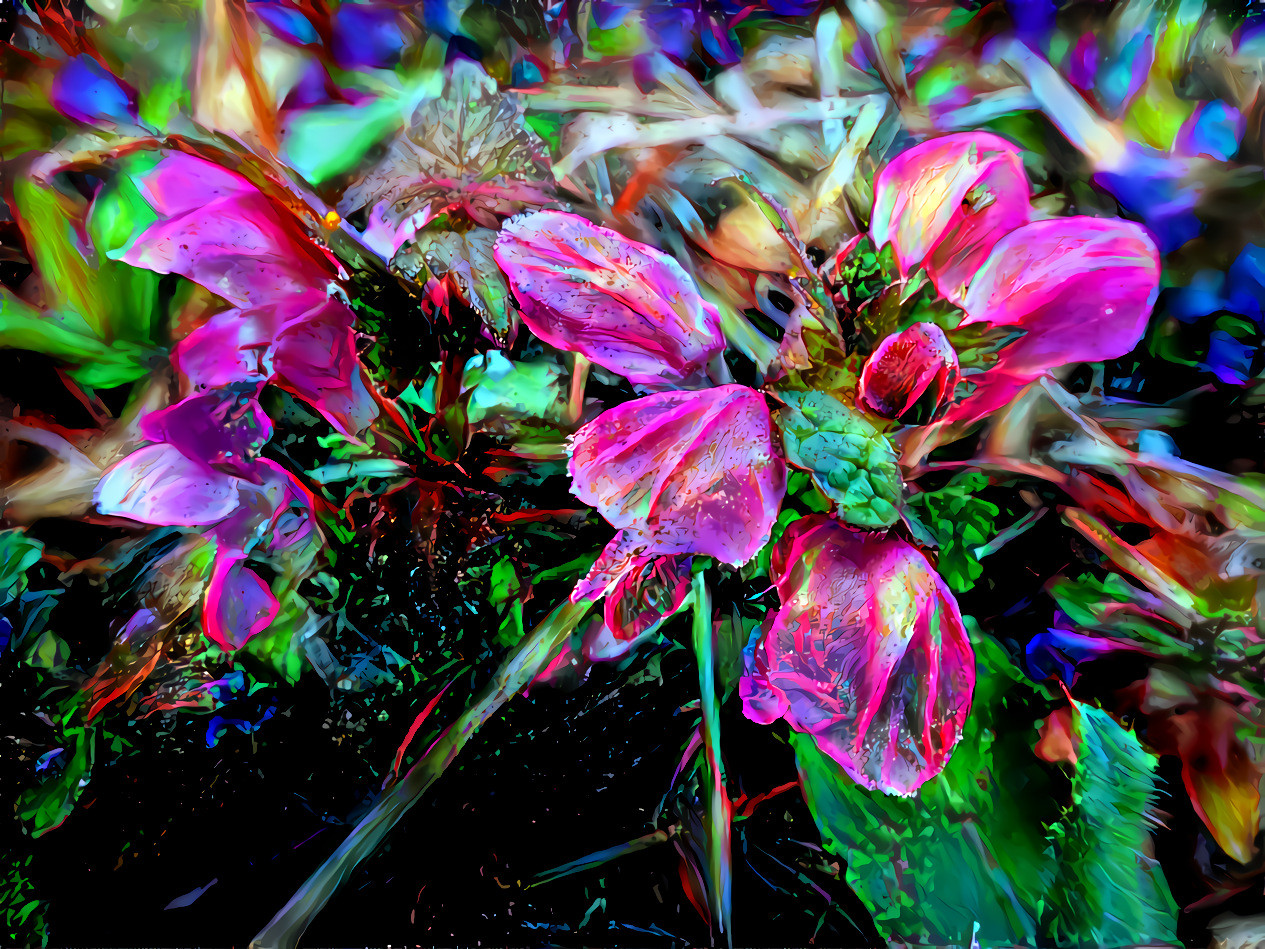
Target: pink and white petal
(946, 201)
(159, 485)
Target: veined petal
(623, 304)
(867, 654)
(1080, 288)
(694, 472)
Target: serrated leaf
(465, 260)
(850, 460)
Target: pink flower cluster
(1075, 289)
(284, 326)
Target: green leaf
(850, 460)
(115, 300)
(1110, 892)
(502, 391)
(18, 554)
(50, 802)
(966, 857)
(960, 521)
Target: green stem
(718, 817)
(526, 662)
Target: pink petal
(218, 429)
(656, 588)
(867, 654)
(232, 346)
(315, 358)
(623, 304)
(159, 485)
(272, 506)
(906, 367)
(238, 604)
(694, 472)
(946, 202)
(217, 229)
(1081, 288)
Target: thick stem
(718, 817)
(535, 652)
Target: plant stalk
(719, 825)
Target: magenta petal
(315, 358)
(868, 654)
(946, 202)
(917, 364)
(992, 390)
(217, 229)
(693, 472)
(623, 304)
(238, 604)
(1080, 288)
(159, 485)
(218, 429)
(232, 346)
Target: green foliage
(972, 856)
(1110, 892)
(850, 460)
(960, 521)
(21, 912)
(99, 313)
(964, 858)
(51, 801)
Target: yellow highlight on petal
(331, 219)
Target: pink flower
(204, 471)
(217, 229)
(1079, 289)
(945, 203)
(238, 604)
(867, 654)
(625, 305)
(683, 473)
(916, 369)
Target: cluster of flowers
(883, 287)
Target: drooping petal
(219, 429)
(867, 654)
(946, 202)
(623, 304)
(917, 365)
(216, 228)
(238, 604)
(693, 472)
(644, 597)
(159, 485)
(231, 347)
(1080, 288)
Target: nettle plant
(770, 363)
